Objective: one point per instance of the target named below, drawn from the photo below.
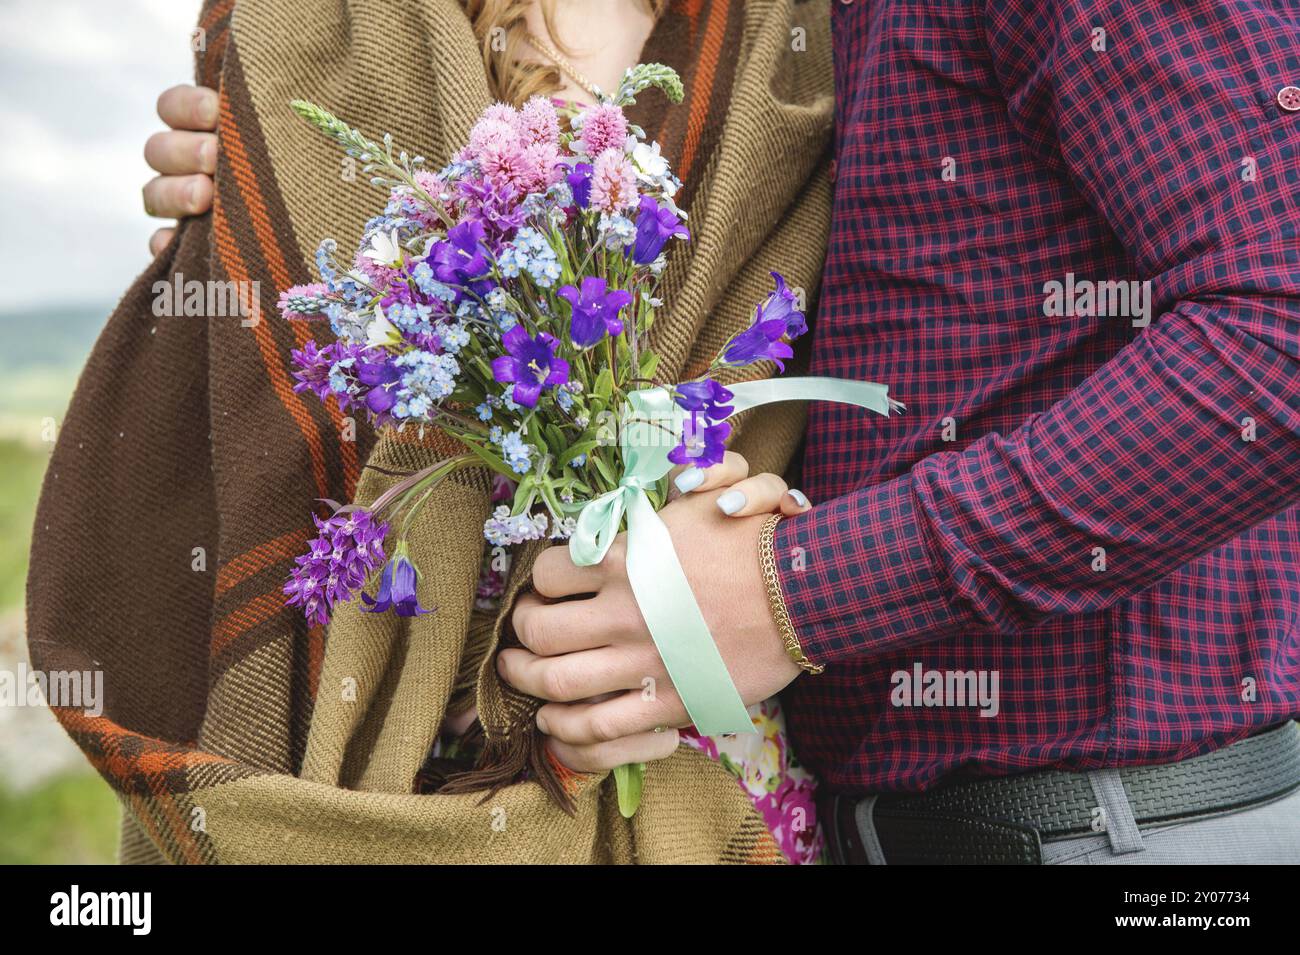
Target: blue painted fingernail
(731, 502)
(798, 497)
(689, 480)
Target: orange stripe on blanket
(251, 193)
(715, 29)
(240, 568)
(243, 619)
(155, 757)
(216, 12)
(570, 779)
(234, 266)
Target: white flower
(650, 165)
(668, 202)
(385, 249)
(381, 331)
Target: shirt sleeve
(1190, 435)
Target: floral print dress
(783, 792)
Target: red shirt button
(1288, 97)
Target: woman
(364, 737)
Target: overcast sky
(79, 80)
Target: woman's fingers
(598, 757)
(556, 575)
(794, 502)
(604, 721)
(571, 677)
(732, 469)
(158, 241)
(180, 153)
(189, 107)
(551, 628)
(760, 494)
(175, 197)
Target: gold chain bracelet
(775, 599)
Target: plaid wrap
(233, 732)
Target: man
(1055, 606)
(1065, 236)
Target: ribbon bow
(650, 427)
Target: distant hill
(41, 353)
(56, 336)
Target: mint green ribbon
(651, 426)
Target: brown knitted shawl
(184, 474)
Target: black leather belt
(1006, 820)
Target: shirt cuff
(858, 576)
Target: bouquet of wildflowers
(506, 300)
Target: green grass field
(21, 471)
(71, 817)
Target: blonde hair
(503, 36)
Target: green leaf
(555, 440)
(533, 429)
(629, 780)
(490, 459)
(604, 386)
(649, 362)
(610, 477)
(582, 447)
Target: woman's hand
(741, 495)
(590, 657)
(185, 156)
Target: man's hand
(185, 156)
(587, 647)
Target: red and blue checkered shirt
(1090, 500)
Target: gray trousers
(1264, 834)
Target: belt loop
(867, 830)
(1118, 821)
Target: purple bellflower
(531, 365)
(397, 588)
(595, 310)
(774, 321)
(703, 443)
(704, 397)
(312, 365)
(655, 225)
(381, 377)
(579, 180)
(459, 260)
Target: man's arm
(1145, 459)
